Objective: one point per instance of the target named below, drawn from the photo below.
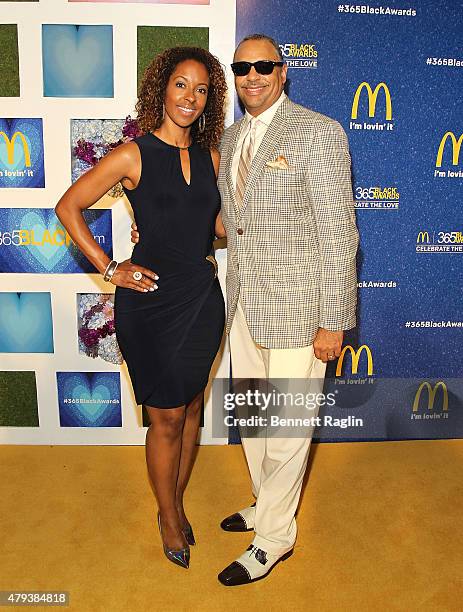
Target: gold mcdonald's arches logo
(422, 237)
(431, 395)
(456, 146)
(10, 147)
(372, 96)
(355, 354)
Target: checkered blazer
(291, 246)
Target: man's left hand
(327, 344)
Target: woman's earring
(163, 111)
(202, 123)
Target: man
(288, 211)
(287, 207)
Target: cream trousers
(276, 465)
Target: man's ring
(137, 275)
(330, 356)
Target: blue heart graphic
(77, 60)
(48, 255)
(93, 399)
(96, 400)
(24, 226)
(26, 323)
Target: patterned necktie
(247, 151)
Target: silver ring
(137, 275)
(330, 356)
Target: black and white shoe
(254, 564)
(240, 521)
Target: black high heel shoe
(179, 557)
(189, 535)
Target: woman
(169, 309)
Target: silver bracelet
(110, 269)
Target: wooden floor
(380, 528)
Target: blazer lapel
(273, 136)
(230, 154)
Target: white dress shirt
(265, 119)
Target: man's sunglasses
(262, 67)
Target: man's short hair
(269, 39)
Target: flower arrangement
(97, 138)
(97, 337)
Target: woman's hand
(134, 235)
(123, 277)
(219, 227)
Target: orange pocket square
(279, 164)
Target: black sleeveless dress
(169, 337)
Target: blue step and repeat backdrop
(389, 72)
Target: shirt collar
(267, 116)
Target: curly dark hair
(149, 106)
